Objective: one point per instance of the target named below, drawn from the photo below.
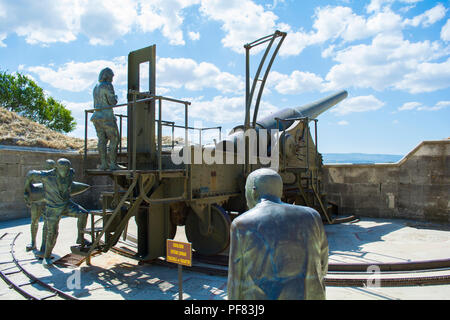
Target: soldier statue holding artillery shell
(56, 186)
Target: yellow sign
(179, 252)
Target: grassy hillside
(16, 130)
(20, 131)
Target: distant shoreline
(360, 158)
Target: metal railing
(159, 121)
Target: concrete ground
(114, 277)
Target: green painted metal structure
(202, 196)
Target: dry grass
(20, 131)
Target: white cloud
(274, 4)
(440, 105)
(194, 35)
(428, 17)
(343, 123)
(172, 73)
(225, 109)
(409, 106)
(2, 37)
(420, 107)
(101, 21)
(295, 83)
(165, 15)
(427, 77)
(80, 76)
(46, 21)
(242, 20)
(43, 21)
(389, 61)
(445, 31)
(376, 5)
(332, 23)
(187, 73)
(104, 21)
(358, 104)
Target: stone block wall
(417, 187)
(14, 165)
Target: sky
(392, 56)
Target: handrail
(139, 100)
(159, 122)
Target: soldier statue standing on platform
(37, 209)
(277, 250)
(57, 185)
(105, 121)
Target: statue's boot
(31, 246)
(35, 214)
(52, 235)
(47, 262)
(44, 236)
(113, 159)
(81, 224)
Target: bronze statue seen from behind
(277, 250)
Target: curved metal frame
(249, 93)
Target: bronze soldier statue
(57, 186)
(277, 250)
(37, 209)
(105, 121)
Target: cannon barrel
(311, 111)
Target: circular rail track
(17, 278)
(432, 272)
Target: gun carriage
(204, 195)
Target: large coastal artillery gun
(202, 187)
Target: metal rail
(356, 274)
(250, 92)
(33, 280)
(159, 121)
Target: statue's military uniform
(277, 254)
(278, 251)
(37, 209)
(57, 191)
(105, 122)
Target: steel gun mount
(197, 194)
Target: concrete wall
(417, 187)
(14, 165)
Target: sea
(360, 158)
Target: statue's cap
(64, 162)
(50, 163)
